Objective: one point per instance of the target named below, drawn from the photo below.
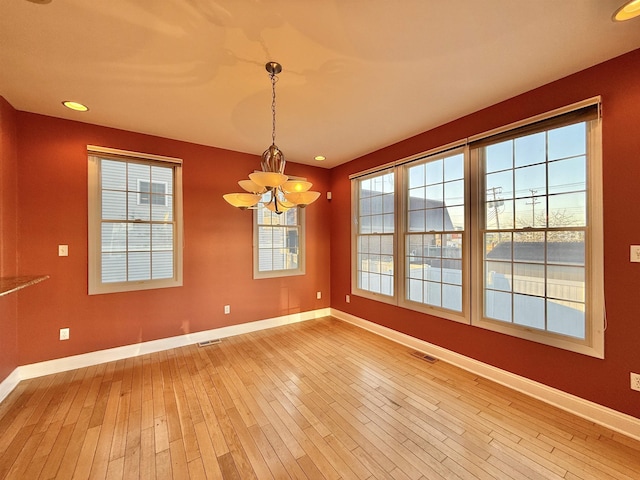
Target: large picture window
(135, 221)
(501, 231)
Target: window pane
(114, 267)
(497, 305)
(113, 175)
(162, 263)
(528, 311)
(530, 149)
(114, 205)
(566, 318)
(567, 175)
(568, 210)
(499, 156)
(568, 141)
(139, 266)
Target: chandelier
(271, 187)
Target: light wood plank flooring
(318, 399)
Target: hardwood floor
(318, 399)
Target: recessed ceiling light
(78, 107)
(627, 11)
(319, 158)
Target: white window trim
(95, 285)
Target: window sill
(13, 284)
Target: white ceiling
(358, 74)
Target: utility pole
(495, 191)
(533, 203)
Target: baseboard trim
(118, 353)
(605, 416)
(8, 384)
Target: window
(135, 221)
(539, 235)
(526, 260)
(435, 232)
(374, 237)
(278, 243)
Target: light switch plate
(635, 253)
(63, 250)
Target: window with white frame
(278, 242)
(135, 221)
(526, 260)
(539, 235)
(374, 238)
(435, 231)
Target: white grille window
(374, 239)
(135, 221)
(539, 236)
(278, 242)
(435, 231)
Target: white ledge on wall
(593, 412)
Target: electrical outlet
(347, 299)
(64, 334)
(635, 381)
(63, 250)
(318, 295)
(227, 309)
(635, 253)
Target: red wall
(603, 381)
(8, 237)
(52, 192)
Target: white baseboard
(9, 383)
(607, 417)
(94, 358)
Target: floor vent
(424, 356)
(206, 343)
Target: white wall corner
(605, 416)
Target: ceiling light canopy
(627, 11)
(271, 187)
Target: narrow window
(374, 226)
(435, 231)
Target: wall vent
(206, 343)
(424, 356)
